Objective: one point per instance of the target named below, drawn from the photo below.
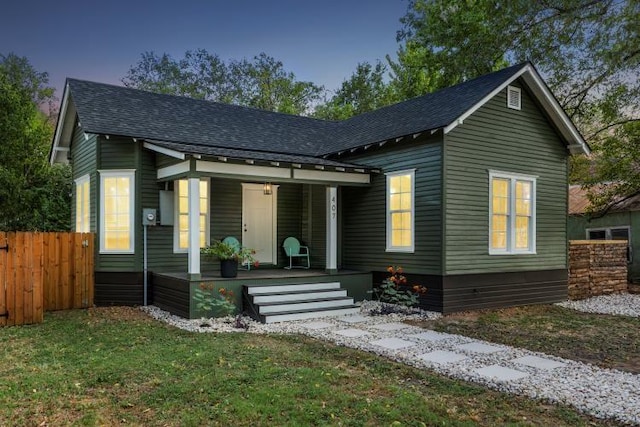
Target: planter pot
(228, 268)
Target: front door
(259, 221)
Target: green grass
(116, 366)
(604, 340)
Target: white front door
(259, 221)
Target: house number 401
(334, 207)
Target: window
(613, 233)
(82, 204)
(117, 211)
(181, 237)
(514, 97)
(512, 222)
(400, 211)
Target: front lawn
(604, 340)
(116, 366)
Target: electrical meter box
(149, 217)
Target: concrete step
(276, 289)
(281, 303)
(300, 315)
(298, 296)
(274, 308)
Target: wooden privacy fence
(44, 272)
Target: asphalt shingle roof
(233, 153)
(203, 125)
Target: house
(465, 188)
(620, 222)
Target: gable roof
(424, 113)
(204, 125)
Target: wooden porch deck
(260, 274)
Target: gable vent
(514, 97)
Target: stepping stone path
(500, 367)
(478, 347)
(393, 343)
(442, 356)
(352, 333)
(539, 362)
(501, 373)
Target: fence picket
(3, 279)
(37, 278)
(18, 256)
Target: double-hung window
(82, 204)
(400, 211)
(181, 237)
(117, 211)
(512, 214)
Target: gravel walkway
(604, 393)
(620, 304)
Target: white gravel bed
(604, 393)
(618, 304)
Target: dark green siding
(364, 209)
(115, 154)
(314, 224)
(289, 216)
(159, 237)
(83, 160)
(226, 209)
(506, 140)
(578, 224)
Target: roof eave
(64, 129)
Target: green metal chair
(235, 244)
(293, 249)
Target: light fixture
(266, 188)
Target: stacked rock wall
(597, 267)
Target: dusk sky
(318, 41)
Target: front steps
(281, 303)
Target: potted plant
(229, 254)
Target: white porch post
(194, 228)
(332, 229)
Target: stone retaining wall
(597, 267)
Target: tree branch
(609, 126)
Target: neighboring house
(621, 222)
(465, 188)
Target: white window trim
(131, 174)
(84, 179)
(510, 250)
(519, 91)
(176, 220)
(607, 231)
(389, 246)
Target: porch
(175, 291)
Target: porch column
(332, 229)
(194, 229)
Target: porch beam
(162, 150)
(243, 170)
(337, 177)
(332, 229)
(194, 229)
(173, 170)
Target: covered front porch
(175, 291)
(258, 198)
